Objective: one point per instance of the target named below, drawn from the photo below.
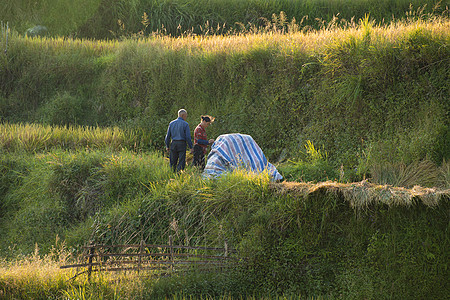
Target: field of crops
(352, 112)
(57, 195)
(357, 91)
(112, 19)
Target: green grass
(326, 241)
(51, 192)
(300, 239)
(348, 102)
(110, 19)
(364, 92)
(38, 276)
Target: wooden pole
(141, 253)
(171, 250)
(91, 255)
(226, 248)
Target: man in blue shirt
(180, 134)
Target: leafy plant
(314, 166)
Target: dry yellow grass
(294, 41)
(39, 276)
(362, 194)
(35, 272)
(306, 41)
(35, 137)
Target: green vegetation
(370, 95)
(354, 115)
(348, 240)
(111, 18)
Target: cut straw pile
(362, 194)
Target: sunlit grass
(62, 45)
(35, 137)
(34, 275)
(39, 276)
(288, 40)
(308, 41)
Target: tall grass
(365, 92)
(371, 95)
(38, 276)
(48, 193)
(38, 138)
(106, 19)
(299, 238)
(35, 276)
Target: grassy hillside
(367, 94)
(365, 105)
(110, 19)
(339, 240)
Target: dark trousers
(199, 157)
(177, 155)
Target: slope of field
(348, 240)
(361, 102)
(108, 19)
(365, 94)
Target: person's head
(182, 113)
(207, 120)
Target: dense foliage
(347, 241)
(366, 94)
(113, 18)
(351, 101)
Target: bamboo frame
(168, 258)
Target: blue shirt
(178, 131)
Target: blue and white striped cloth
(235, 150)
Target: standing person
(201, 141)
(180, 134)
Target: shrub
(65, 109)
